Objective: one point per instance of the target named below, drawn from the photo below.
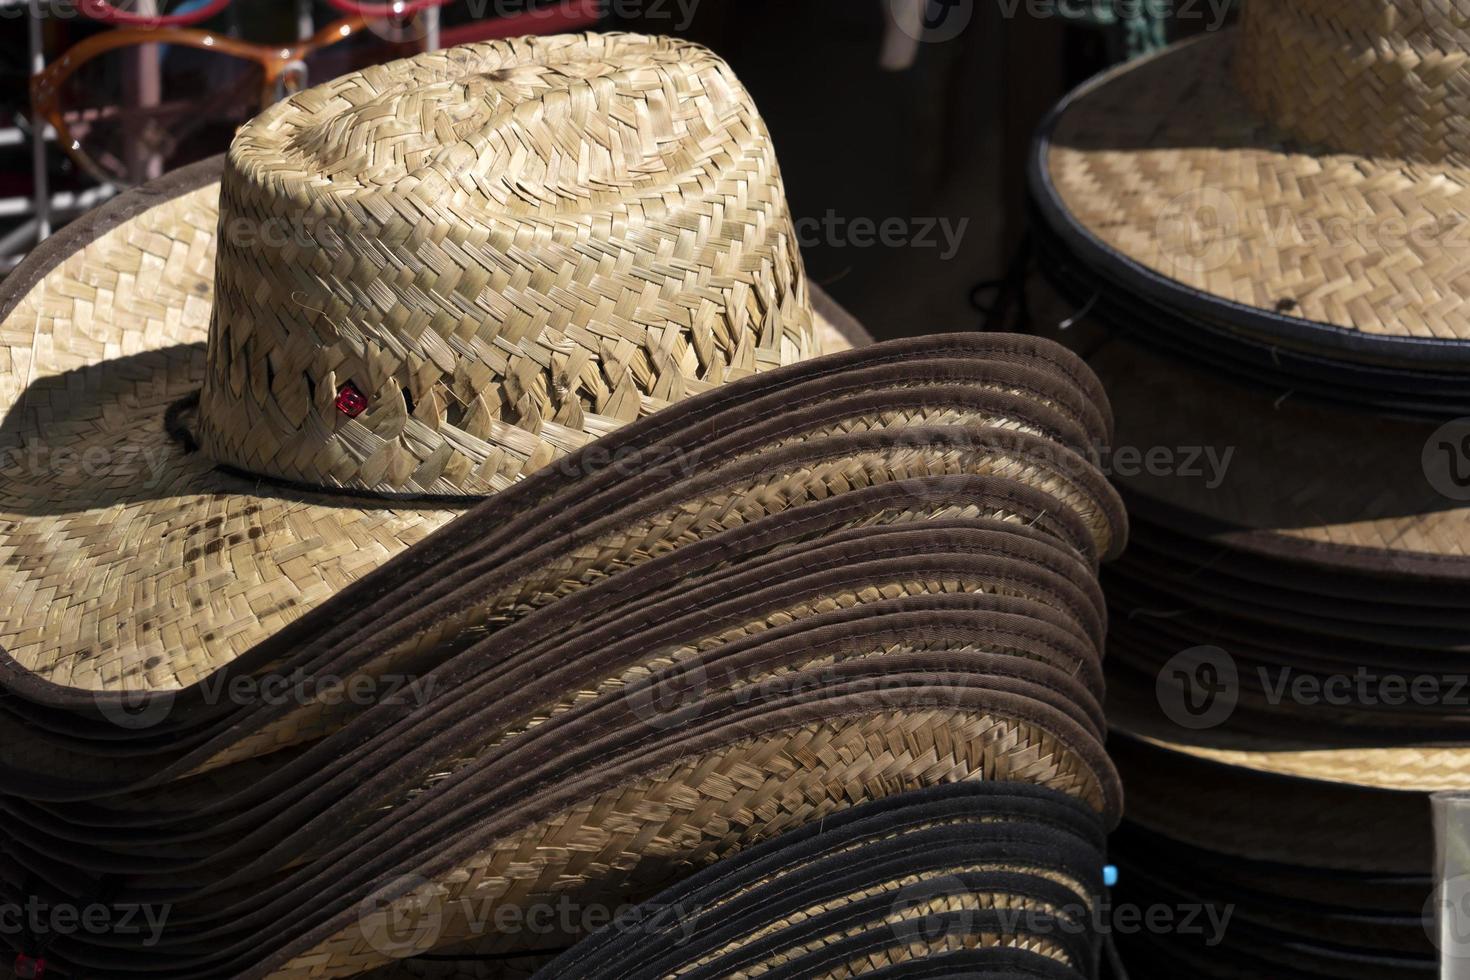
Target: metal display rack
(42, 211)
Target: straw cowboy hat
(524, 407)
(229, 394)
(1296, 185)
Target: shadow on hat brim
(1303, 484)
(131, 564)
(1152, 142)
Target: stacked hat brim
(818, 585)
(994, 880)
(1286, 660)
(1170, 201)
(1269, 220)
(1309, 543)
(1296, 877)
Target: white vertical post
(146, 90)
(1452, 883)
(40, 178)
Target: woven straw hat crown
(437, 274)
(1377, 78)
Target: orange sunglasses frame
(276, 60)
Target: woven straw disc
(127, 564)
(1312, 163)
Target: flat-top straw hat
(226, 397)
(1303, 179)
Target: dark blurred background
(903, 146)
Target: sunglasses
(191, 12)
(130, 104)
(169, 13)
(162, 14)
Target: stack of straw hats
(1285, 201)
(1288, 659)
(459, 519)
(1286, 681)
(972, 879)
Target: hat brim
(1406, 768)
(1161, 175)
(1281, 478)
(129, 563)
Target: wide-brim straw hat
(1299, 183)
(402, 291)
(862, 573)
(1351, 497)
(919, 422)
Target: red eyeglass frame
(104, 11)
(107, 13)
(277, 61)
(283, 69)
